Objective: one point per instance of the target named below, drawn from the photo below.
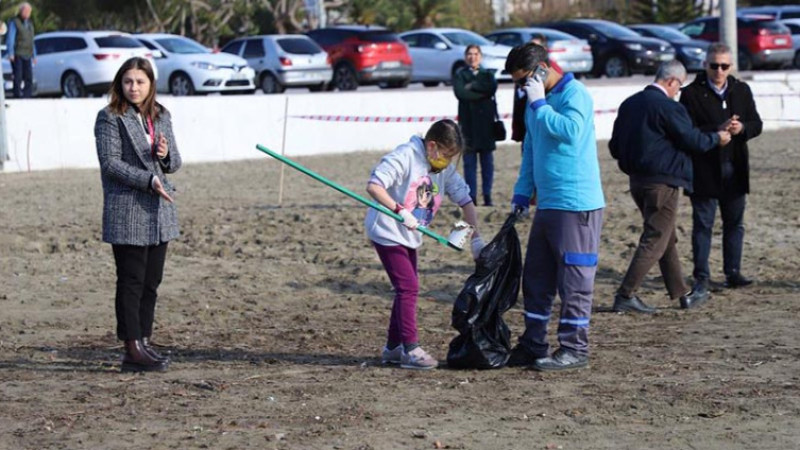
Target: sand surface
(275, 316)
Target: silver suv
(281, 61)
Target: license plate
(781, 41)
(391, 64)
(666, 57)
(239, 76)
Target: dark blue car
(691, 52)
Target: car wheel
(344, 78)
(430, 83)
(616, 67)
(797, 60)
(745, 62)
(72, 85)
(270, 84)
(181, 85)
(317, 87)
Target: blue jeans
(471, 173)
(23, 71)
(703, 211)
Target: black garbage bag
(483, 341)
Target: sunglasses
(716, 66)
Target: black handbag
(498, 128)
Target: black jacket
(706, 110)
(476, 108)
(653, 137)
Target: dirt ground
(274, 317)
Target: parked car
(776, 12)
(438, 53)
(77, 63)
(188, 68)
(281, 61)
(570, 53)
(762, 41)
(794, 28)
(617, 51)
(364, 55)
(691, 52)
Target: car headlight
(694, 52)
(203, 65)
(634, 47)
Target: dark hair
(447, 133)
(526, 57)
(119, 104)
(471, 46)
(539, 37)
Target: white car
(438, 53)
(188, 68)
(78, 63)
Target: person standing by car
(21, 51)
(652, 141)
(560, 166)
(716, 99)
(475, 87)
(136, 148)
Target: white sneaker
(392, 356)
(418, 359)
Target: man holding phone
(559, 166)
(717, 100)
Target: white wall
(58, 133)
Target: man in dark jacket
(652, 140)
(716, 99)
(475, 87)
(21, 51)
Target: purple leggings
(401, 265)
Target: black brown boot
(149, 349)
(137, 359)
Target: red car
(762, 42)
(364, 55)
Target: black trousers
(23, 71)
(139, 272)
(703, 211)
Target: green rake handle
(442, 240)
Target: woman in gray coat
(136, 149)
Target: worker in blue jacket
(559, 167)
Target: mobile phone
(540, 74)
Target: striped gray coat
(133, 213)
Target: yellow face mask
(439, 163)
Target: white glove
(521, 210)
(477, 245)
(535, 89)
(409, 220)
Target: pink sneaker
(392, 356)
(418, 359)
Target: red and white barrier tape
(407, 119)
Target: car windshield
(668, 34)
(181, 46)
(117, 42)
(612, 30)
(299, 46)
(553, 35)
(377, 36)
(466, 38)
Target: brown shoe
(137, 359)
(149, 349)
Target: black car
(691, 52)
(617, 51)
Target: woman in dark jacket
(136, 148)
(475, 87)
